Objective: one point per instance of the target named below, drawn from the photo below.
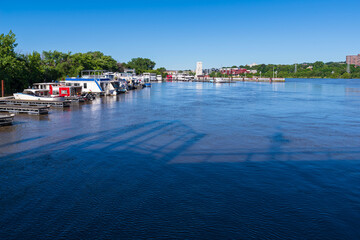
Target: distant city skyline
(177, 34)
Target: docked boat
(147, 82)
(222, 80)
(38, 95)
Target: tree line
(304, 70)
(19, 71)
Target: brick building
(353, 59)
(233, 71)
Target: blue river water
(188, 161)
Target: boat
(139, 85)
(147, 82)
(222, 80)
(95, 81)
(59, 89)
(38, 95)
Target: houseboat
(159, 78)
(59, 89)
(95, 81)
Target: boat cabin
(94, 81)
(37, 92)
(59, 89)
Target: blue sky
(176, 34)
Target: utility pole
(2, 88)
(295, 67)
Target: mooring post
(2, 88)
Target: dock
(17, 102)
(6, 119)
(37, 110)
(256, 79)
(241, 79)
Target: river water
(188, 160)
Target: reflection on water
(188, 160)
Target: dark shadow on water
(21, 141)
(170, 142)
(134, 137)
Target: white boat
(222, 80)
(37, 94)
(96, 81)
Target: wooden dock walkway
(37, 110)
(13, 102)
(6, 119)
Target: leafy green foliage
(141, 65)
(21, 71)
(11, 64)
(308, 70)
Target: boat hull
(22, 96)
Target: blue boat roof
(87, 79)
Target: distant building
(253, 65)
(199, 70)
(171, 72)
(353, 59)
(234, 71)
(209, 71)
(129, 70)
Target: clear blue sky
(176, 34)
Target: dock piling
(2, 88)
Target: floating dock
(37, 110)
(13, 102)
(6, 120)
(238, 79)
(260, 79)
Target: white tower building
(199, 70)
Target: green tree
(34, 69)
(11, 64)
(141, 65)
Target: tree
(346, 75)
(34, 70)
(11, 64)
(141, 64)
(318, 64)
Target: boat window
(28, 92)
(85, 85)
